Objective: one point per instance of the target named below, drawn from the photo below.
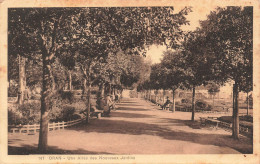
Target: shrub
(67, 95)
(12, 91)
(28, 113)
(201, 105)
(185, 101)
(247, 118)
(64, 113)
(36, 97)
(14, 117)
(177, 103)
(209, 108)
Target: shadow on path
(131, 109)
(130, 115)
(138, 128)
(178, 122)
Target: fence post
(20, 128)
(58, 125)
(63, 125)
(27, 128)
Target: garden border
(36, 127)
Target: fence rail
(36, 127)
(242, 129)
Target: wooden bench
(96, 114)
(205, 120)
(167, 106)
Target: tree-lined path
(64, 63)
(136, 127)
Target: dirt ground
(136, 127)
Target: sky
(198, 13)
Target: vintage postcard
(138, 81)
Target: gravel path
(136, 127)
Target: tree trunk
(173, 100)
(88, 104)
(46, 97)
(70, 81)
(235, 123)
(22, 80)
(102, 90)
(110, 89)
(247, 97)
(114, 90)
(193, 104)
(84, 88)
(163, 95)
(213, 96)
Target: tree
(173, 74)
(213, 89)
(197, 62)
(229, 35)
(38, 31)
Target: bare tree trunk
(247, 97)
(235, 123)
(110, 89)
(22, 80)
(213, 96)
(173, 100)
(102, 90)
(150, 92)
(46, 97)
(70, 81)
(193, 104)
(84, 87)
(114, 90)
(88, 104)
(163, 95)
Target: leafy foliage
(28, 113)
(213, 88)
(229, 40)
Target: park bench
(97, 113)
(161, 105)
(210, 120)
(168, 106)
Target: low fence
(248, 131)
(36, 127)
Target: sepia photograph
(109, 83)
